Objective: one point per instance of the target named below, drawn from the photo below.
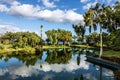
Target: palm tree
(74, 38)
(79, 30)
(41, 33)
(96, 17)
(117, 14)
(41, 30)
(106, 17)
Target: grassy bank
(111, 53)
(82, 46)
(30, 50)
(26, 49)
(55, 46)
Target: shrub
(1, 46)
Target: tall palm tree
(41, 30)
(104, 16)
(41, 27)
(95, 17)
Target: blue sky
(28, 15)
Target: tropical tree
(66, 37)
(92, 39)
(54, 36)
(21, 39)
(79, 30)
(74, 37)
(114, 40)
(41, 27)
(98, 16)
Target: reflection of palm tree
(100, 72)
(6, 59)
(40, 56)
(41, 63)
(81, 77)
(78, 60)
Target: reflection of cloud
(48, 77)
(25, 71)
(88, 76)
(51, 71)
(71, 66)
(108, 73)
(3, 71)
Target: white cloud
(117, 0)
(14, 3)
(12, 28)
(31, 11)
(60, 16)
(3, 8)
(88, 5)
(83, 1)
(8, 28)
(48, 4)
(24, 10)
(73, 17)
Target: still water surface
(58, 64)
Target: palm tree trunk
(101, 41)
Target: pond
(54, 64)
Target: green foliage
(114, 40)
(54, 36)
(1, 46)
(93, 38)
(6, 42)
(21, 39)
(80, 31)
(17, 45)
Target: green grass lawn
(111, 53)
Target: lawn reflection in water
(55, 64)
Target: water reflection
(54, 64)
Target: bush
(1, 46)
(17, 45)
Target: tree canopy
(20, 39)
(55, 36)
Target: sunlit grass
(55, 46)
(111, 53)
